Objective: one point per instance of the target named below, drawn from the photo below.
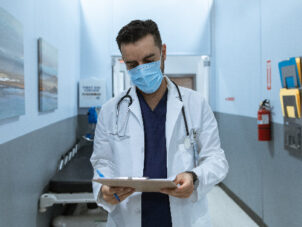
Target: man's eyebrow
(149, 56)
(146, 57)
(129, 62)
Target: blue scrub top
(155, 206)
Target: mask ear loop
(161, 54)
(160, 60)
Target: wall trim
(240, 115)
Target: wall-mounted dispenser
(290, 98)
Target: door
(184, 80)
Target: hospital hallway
(224, 212)
(103, 100)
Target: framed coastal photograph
(48, 76)
(12, 103)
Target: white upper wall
(184, 27)
(246, 35)
(58, 22)
(236, 53)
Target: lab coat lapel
(135, 107)
(174, 106)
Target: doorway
(184, 80)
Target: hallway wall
(247, 34)
(31, 145)
(57, 22)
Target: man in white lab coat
(154, 141)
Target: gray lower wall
(26, 165)
(83, 126)
(262, 174)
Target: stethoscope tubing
(182, 109)
(195, 149)
(179, 96)
(124, 97)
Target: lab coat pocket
(118, 138)
(121, 154)
(187, 157)
(118, 142)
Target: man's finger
(106, 190)
(179, 192)
(124, 196)
(184, 186)
(125, 192)
(110, 199)
(166, 191)
(178, 180)
(113, 200)
(174, 193)
(170, 191)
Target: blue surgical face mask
(147, 77)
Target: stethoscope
(190, 139)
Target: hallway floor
(225, 212)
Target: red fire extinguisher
(264, 121)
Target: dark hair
(136, 30)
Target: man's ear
(164, 51)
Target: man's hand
(122, 193)
(185, 180)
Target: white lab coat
(125, 157)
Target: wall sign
(232, 99)
(268, 75)
(92, 93)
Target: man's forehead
(140, 48)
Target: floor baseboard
(243, 206)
